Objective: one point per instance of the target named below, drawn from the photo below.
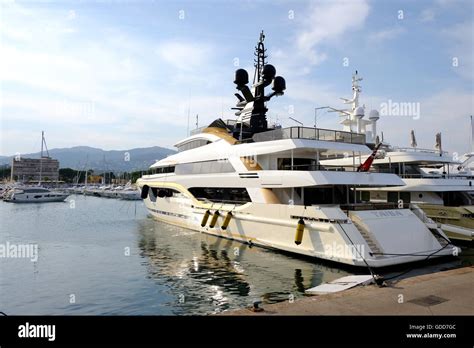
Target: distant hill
(79, 157)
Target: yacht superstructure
(267, 186)
(445, 195)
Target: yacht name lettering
(387, 213)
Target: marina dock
(442, 293)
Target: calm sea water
(106, 256)
(103, 256)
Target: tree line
(73, 176)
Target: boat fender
(144, 193)
(214, 219)
(205, 218)
(227, 219)
(299, 232)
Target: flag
(364, 167)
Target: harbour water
(99, 256)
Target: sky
(121, 74)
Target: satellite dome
(359, 112)
(374, 115)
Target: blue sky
(122, 74)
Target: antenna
(187, 128)
(472, 136)
(252, 104)
(197, 121)
(293, 119)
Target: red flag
(364, 167)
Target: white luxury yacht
(33, 195)
(266, 186)
(446, 196)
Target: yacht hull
(61, 198)
(329, 233)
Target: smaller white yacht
(435, 180)
(130, 194)
(33, 195)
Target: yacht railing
(434, 176)
(372, 206)
(230, 123)
(311, 134)
(415, 149)
(312, 167)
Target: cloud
(386, 34)
(327, 21)
(324, 25)
(427, 15)
(186, 56)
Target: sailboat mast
(472, 136)
(41, 158)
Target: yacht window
(365, 196)
(405, 197)
(161, 170)
(320, 195)
(205, 167)
(455, 198)
(298, 164)
(193, 144)
(236, 195)
(338, 194)
(162, 192)
(38, 190)
(392, 197)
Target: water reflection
(207, 274)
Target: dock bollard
(255, 307)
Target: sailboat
(37, 194)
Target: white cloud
(185, 56)
(327, 21)
(386, 34)
(427, 15)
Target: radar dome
(241, 77)
(359, 112)
(374, 115)
(268, 72)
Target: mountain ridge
(79, 157)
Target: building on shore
(44, 169)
